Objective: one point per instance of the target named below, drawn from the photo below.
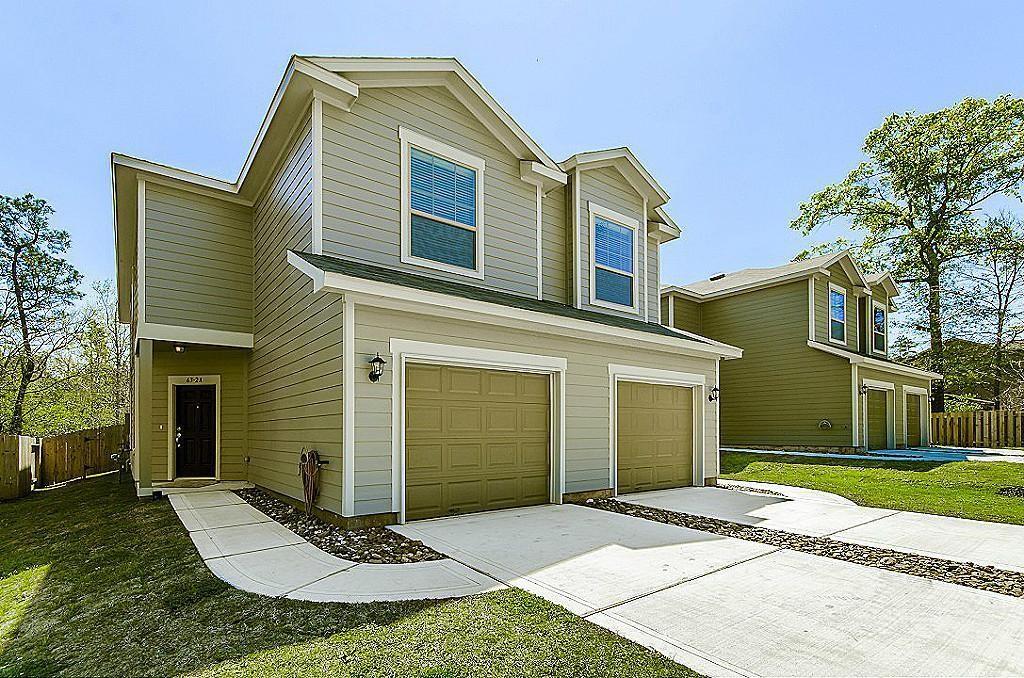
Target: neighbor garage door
(654, 436)
(878, 420)
(913, 420)
(474, 440)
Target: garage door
(654, 436)
(878, 420)
(913, 421)
(474, 440)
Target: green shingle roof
(420, 282)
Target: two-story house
(403, 280)
(816, 372)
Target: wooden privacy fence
(15, 466)
(979, 428)
(79, 454)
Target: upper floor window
(836, 314)
(613, 259)
(442, 206)
(878, 327)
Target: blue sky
(740, 109)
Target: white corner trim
(140, 255)
(642, 233)
(191, 380)
(407, 138)
(647, 375)
(879, 385)
(594, 211)
(540, 241)
(348, 418)
(856, 405)
(193, 335)
(317, 132)
(577, 282)
(672, 312)
(810, 308)
(410, 350)
(833, 287)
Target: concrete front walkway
(251, 552)
(956, 539)
(729, 607)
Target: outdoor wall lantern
(713, 396)
(376, 368)
(863, 389)
(178, 348)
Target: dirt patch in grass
(377, 545)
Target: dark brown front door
(195, 431)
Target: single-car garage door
(654, 436)
(878, 419)
(913, 420)
(475, 440)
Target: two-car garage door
(475, 440)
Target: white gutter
(874, 363)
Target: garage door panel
(878, 419)
(914, 420)
(654, 434)
(492, 450)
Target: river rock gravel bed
(1011, 491)
(985, 577)
(376, 545)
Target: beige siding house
(816, 372)
(390, 210)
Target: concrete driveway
(730, 607)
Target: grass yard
(965, 489)
(94, 582)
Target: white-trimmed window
(613, 259)
(442, 205)
(879, 327)
(836, 314)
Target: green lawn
(965, 489)
(95, 582)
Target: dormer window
(442, 206)
(836, 314)
(879, 328)
(613, 259)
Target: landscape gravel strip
(1011, 491)
(975, 576)
(377, 545)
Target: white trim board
(408, 138)
(594, 211)
(348, 417)
(404, 351)
(647, 375)
(317, 132)
(875, 363)
(191, 380)
(404, 298)
(193, 335)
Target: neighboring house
(403, 280)
(815, 371)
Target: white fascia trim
(879, 385)
(399, 296)
(470, 355)
(594, 210)
(317, 132)
(668, 290)
(408, 138)
(610, 156)
(538, 174)
(760, 284)
(348, 418)
(163, 180)
(833, 287)
(874, 363)
(173, 173)
(652, 375)
(193, 335)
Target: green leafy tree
(39, 287)
(914, 201)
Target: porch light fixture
(713, 396)
(863, 389)
(178, 348)
(376, 368)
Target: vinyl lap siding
(781, 388)
(586, 394)
(231, 366)
(607, 188)
(198, 260)
(362, 218)
(295, 373)
(555, 255)
(686, 315)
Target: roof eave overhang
(623, 160)
(400, 297)
(762, 284)
(874, 363)
(682, 292)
